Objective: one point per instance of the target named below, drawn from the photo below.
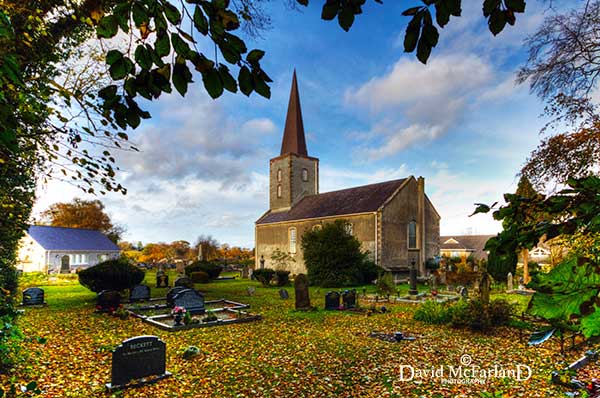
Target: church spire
(293, 134)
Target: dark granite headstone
(108, 300)
(137, 358)
(332, 301)
(33, 296)
(284, 294)
(191, 300)
(172, 292)
(162, 279)
(139, 293)
(185, 282)
(301, 290)
(349, 298)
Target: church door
(64, 265)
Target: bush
(282, 277)
(500, 312)
(433, 312)
(473, 314)
(200, 277)
(333, 257)
(264, 276)
(385, 284)
(500, 264)
(116, 275)
(212, 269)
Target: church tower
(293, 174)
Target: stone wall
(293, 188)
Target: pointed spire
(293, 134)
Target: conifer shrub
(264, 276)
(118, 274)
(211, 268)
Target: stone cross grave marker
(139, 293)
(108, 300)
(172, 292)
(349, 299)
(136, 358)
(301, 291)
(33, 296)
(162, 279)
(283, 294)
(510, 282)
(332, 301)
(191, 300)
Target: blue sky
(371, 113)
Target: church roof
(293, 134)
(61, 238)
(363, 199)
(472, 243)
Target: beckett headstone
(33, 296)
(301, 290)
(349, 299)
(191, 300)
(139, 293)
(137, 358)
(332, 301)
(284, 294)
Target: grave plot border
(154, 320)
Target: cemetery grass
(288, 354)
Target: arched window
(279, 175)
(304, 175)
(292, 239)
(279, 191)
(412, 235)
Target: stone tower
(293, 174)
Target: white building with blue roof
(63, 250)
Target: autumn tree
(209, 247)
(79, 213)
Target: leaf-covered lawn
(287, 354)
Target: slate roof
(472, 243)
(363, 199)
(61, 238)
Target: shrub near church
(333, 257)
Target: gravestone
(464, 292)
(332, 301)
(510, 282)
(185, 282)
(33, 296)
(245, 272)
(139, 293)
(137, 358)
(172, 292)
(284, 294)
(108, 300)
(301, 291)
(162, 279)
(349, 299)
(251, 290)
(191, 300)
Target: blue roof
(60, 238)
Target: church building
(394, 220)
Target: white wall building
(58, 249)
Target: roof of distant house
(61, 238)
(363, 199)
(471, 243)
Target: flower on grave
(178, 310)
(98, 307)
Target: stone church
(394, 220)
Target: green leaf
(172, 13)
(454, 6)
(31, 386)
(162, 44)
(181, 77)
(200, 21)
(212, 83)
(121, 68)
(330, 10)
(143, 57)
(411, 37)
(430, 33)
(590, 325)
(411, 11)
(489, 6)
(497, 21)
(229, 82)
(303, 2)
(107, 27)
(140, 16)
(442, 13)
(346, 18)
(180, 46)
(108, 92)
(255, 56)
(516, 5)
(423, 50)
(261, 87)
(245, 81)
(121, 12)
(133, 119)
(113, 56)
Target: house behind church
(394, 220)
(57, 249)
